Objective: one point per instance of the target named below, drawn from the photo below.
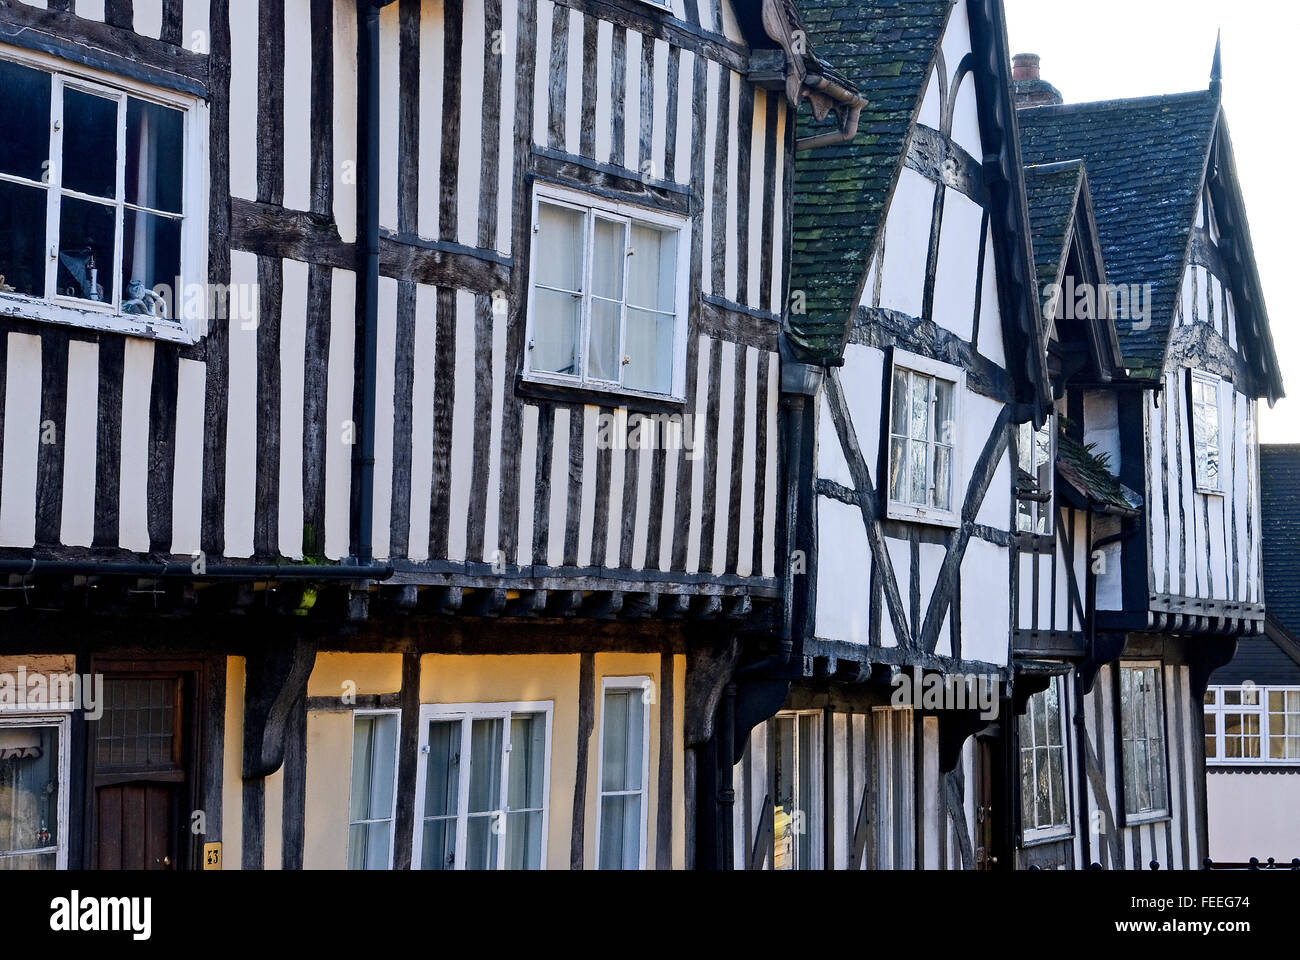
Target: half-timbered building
(390, 398)
(1157, 551)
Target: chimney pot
(1025, 66)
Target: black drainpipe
(363, 454)
(1128, 527)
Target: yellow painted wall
(334, 674)
(232, 767)
(329, 778)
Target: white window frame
(590, 205)
(63, 723)
(1219, 708)
(466, 713)
(1055, 831)
(1154, 814)
(813, 808)
(1039, 510)
(1211, 380)
(191, 316)
(665, 5)
(642, 684)
(397, 757)
(900, 510)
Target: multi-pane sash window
(922, 439)
(606, 298)
(374, 781)
(1250, 724)
(797, 809)
(93, 197)
(1143, 729)
(483, 782)
(1205, 431)
(624, 770)
(1034, 480)
(33, 793)
(1044, 796)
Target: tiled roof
(1090, 476)
(1053, 191)
(1279, 482)
(1146, 161)
(885, 48)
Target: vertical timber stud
(363, 453)
(586, 724)
(408, 762)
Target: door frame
(194, 674)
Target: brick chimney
(1031, 89)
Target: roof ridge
(1150, 100)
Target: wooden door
(987, 802)
(139, 772)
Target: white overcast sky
(1105, 49)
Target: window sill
(544, 388)
(933, 518)
(1136, 820)
(1036, 840)
(1210, 493)
(43, 311)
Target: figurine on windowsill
(80, 265)
(4, 287)
(141, 300)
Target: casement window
(373, 806)
(103, 218)
(607, 306)
(1044, 766)
(1205, 431)
(34, 792)
(798, 807)
(1252, 725)
(1037, 458)
(1142, 724)
(925, 397)
(893, 787)
(482, 786)
(622, 809)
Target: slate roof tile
(1145, 162)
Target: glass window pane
(652, 269)
(557, 322)
(369, 845)
(919, 494)
(22, 239)
(442, 769)
(608, 252)
(943, 478)
(602, 347)
(944, 428)
(1056, 763)
(1024, 447)
(784, 803)
(482, 834)
(807, 802)
(620, 832)
(438, 846)
(87, 233)
(154, 155)
(374, 754)
(558, 243)
(29, 788)
(89, 143)
(524, 840)
(920, 407)
(24, 121)
(151, 256)
(485, 746)
(897, 470)
(649, 349)
(898, 424)
(624, 740)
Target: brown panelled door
(139, 772)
